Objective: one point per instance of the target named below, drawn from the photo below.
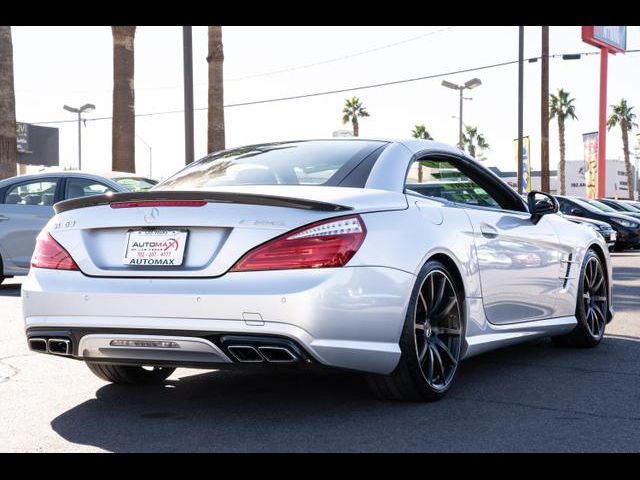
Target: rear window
(325, 162)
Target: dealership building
(575, 179)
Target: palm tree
(351, 111)
(474, 142)
(622, 115)
(215, 130)
(420, 131)
(7, 106)
(123, 126)
(562, 108)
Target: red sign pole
(602, 126)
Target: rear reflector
(50, 254)
(160, 203)
(329, 243)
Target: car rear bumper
(343, 317)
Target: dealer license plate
(155, 247)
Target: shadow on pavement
(531, 397)
(626, 297)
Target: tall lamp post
(87, 107)
(150, 152)
(473, 83)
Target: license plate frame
(158, 247)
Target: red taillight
(160, 203)
(49, 254)
(329, 243)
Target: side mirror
(540, 204)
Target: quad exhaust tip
(59, 346)
(245, 353)
(56, 346)
(271, 354)
(278, 355)
(38, 344)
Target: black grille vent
(566, 275)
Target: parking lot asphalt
(530, 397)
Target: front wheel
(591, 307)
(431, 340)
(130, 374)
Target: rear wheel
(130, 374)
(431, 340)
(591, 307)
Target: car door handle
(2, 218)
(488, 231)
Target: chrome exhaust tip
(278, 354)
(245, 353)
(59, 346)
(38, 345)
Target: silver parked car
(26, 205)
(397, 259)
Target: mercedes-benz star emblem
(152, 215)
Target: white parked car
(397, 259)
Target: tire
(591, 306)
(131, 375)
(425, 371)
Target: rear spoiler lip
(211, 197)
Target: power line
(343, 90)
(300, 67)
(344, 57)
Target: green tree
(8, 151)
(474, 142)
(562, 108)
(353, 109)
(622, 115)
(420, 131)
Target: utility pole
(188, 94)
(520, 97)
(544, 114)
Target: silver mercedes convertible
(397, 259)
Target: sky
(54, 66)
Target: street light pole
(87, 107)
(79, 141)
(520, 102)
(473, 83)
(460, 121)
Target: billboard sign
(614, 39)
(526, 162)
(22, 137)
(590, 147)
(37, 145)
